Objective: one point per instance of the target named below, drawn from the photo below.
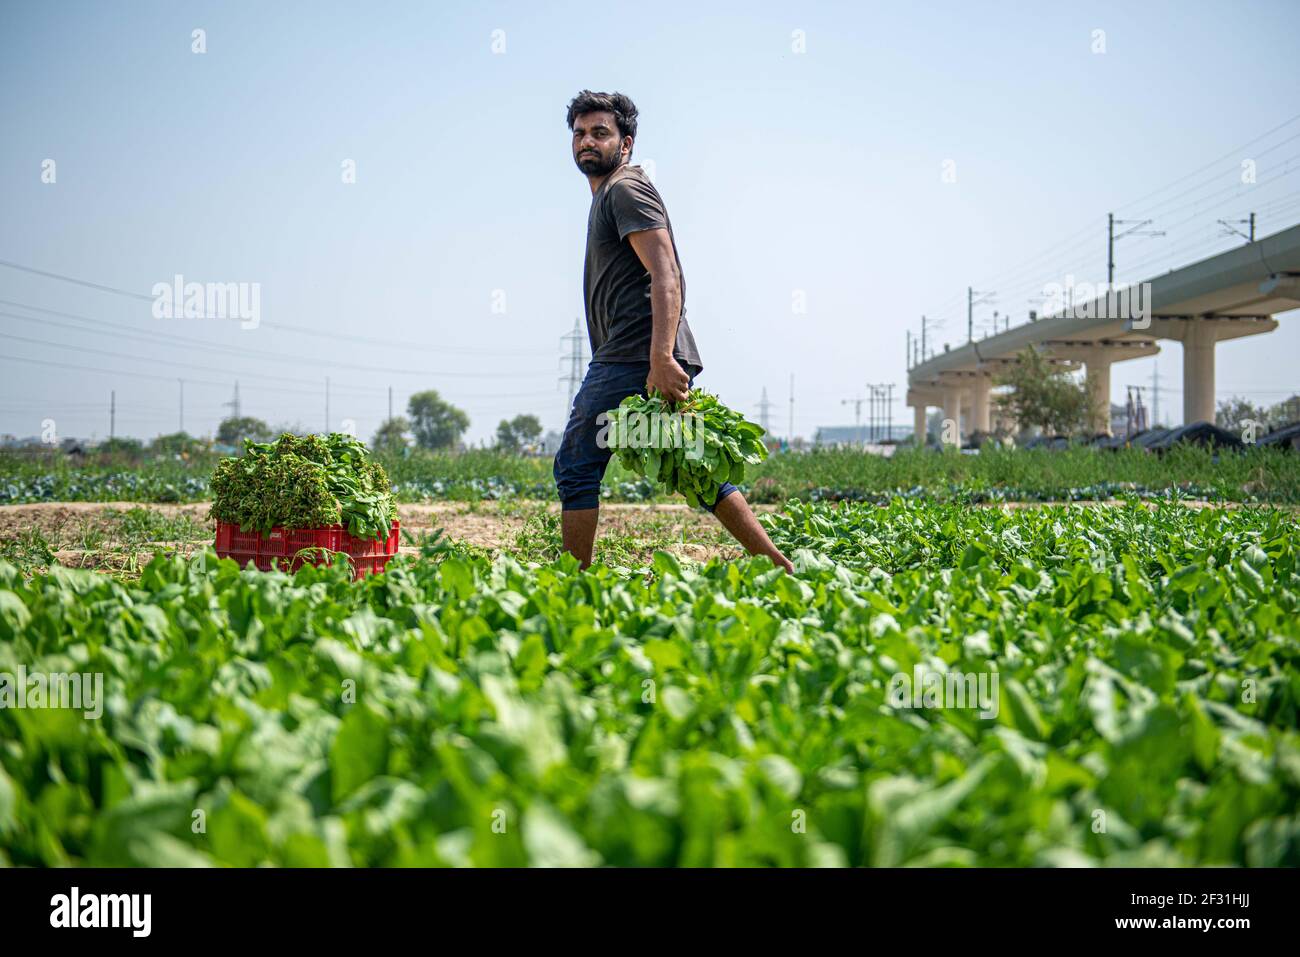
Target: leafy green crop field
(462, 711)
(1255, 475)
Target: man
(636, 321)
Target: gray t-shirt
(616, 284)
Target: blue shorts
(581, 462)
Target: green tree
(120, 449)
(177, 443)
(391, 435)
(436, 423)
(1044, 395)
(1233, 414)
(1284, 413)
(933, 426)
(517, 432)
(233, 431)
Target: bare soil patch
(89, 534)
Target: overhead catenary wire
(1214, 162)
(1012, 278)
(1166, 252)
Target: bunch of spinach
(690, 447)
(304, 482)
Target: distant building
(837, 436)
(1119, 419)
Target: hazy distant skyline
(801, 150)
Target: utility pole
(764, 408)
(112, 415)
(1111, 236)
(1155, 395)
(233, 404)
(973, 299)
(923, 338)
(575, 358)
(1137, 413)
(1110, 249)
(1231, 226)
(791, 432)
(856, 402)
(889, 411)
(908, 364)
(882, 416)
(182, 415)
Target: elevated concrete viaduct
(1226, 296)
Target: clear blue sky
(818, 172)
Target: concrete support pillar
(950, 432)
(980, 405)
(1198, 371)
(1098, 371)
(918, 423)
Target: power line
(1240, 190)
(286, 327)
(1211, 180)
(1213, 162)
(121, 331)
(134, 375)
(1199, 217)
(246, 353)
(121, 355)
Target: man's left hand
(669, 378)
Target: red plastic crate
(284, 548)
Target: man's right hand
(669, 378)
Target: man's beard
(597, 164)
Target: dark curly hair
(621, 106)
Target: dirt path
(487, 524)
(111, 534)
